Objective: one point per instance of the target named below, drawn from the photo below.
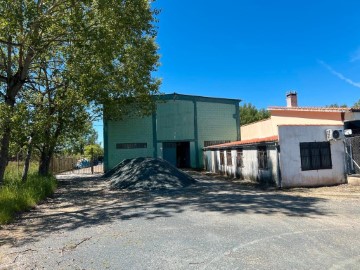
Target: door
(183, 154)
(177, 153)
(169, 152)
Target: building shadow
(88, 201)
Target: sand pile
(147, 174)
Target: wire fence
(352, 150)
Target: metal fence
(352, 152)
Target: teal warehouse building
(177, 131)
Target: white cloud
(339, 75)
(355, 56)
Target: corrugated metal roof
(177, 95)
(309, 109)
(244, 142)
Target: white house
(292, 148)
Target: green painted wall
(216, 121)
(130, 130)
(178, 118)
(175, 120)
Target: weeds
(16, 196)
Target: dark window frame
(239, 158)
(262, 157)
(315, 156)
(131, 145)
(222, 158)
(228, 158)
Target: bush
(16, 196)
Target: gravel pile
(147, 174)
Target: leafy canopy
(249, 114)
(62, 59)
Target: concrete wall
(290, 138)
(260, 129)
(250, 169)
(351, 116)
(269, 127)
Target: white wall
(250, 169)
(290, 160)
(351, 116)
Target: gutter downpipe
(278, 164)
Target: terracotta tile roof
(244, 142)
(310, 125)
(310, 109)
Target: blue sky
(257, 50)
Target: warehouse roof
(177, 96)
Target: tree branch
(10, 43)
(9, 51)
(3, 79)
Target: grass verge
(16, 196)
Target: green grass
(16, 196)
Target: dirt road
(215, 224)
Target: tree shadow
(87, 202)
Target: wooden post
(92, 160)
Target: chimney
(291, 99)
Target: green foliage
(16, 196)
(62, 59)
(93, 150)
(335, 105)
(74, 145)
(249, 114)
(357, 104)
(14, 170)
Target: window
(228, 158)
(130, 145)
(239, 158)
(262, 157)
(315, 156)
(221, 157)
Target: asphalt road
(214, 224)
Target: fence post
(92, 160)
(18, 163)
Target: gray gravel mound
(147, 174)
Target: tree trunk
(45, 159)
(4, 152)
(27, 161)
(5, 138)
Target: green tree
(76, 144)
(335, 105)
(106, 49)
(93, 150)
(249, 114)
(357, 104)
